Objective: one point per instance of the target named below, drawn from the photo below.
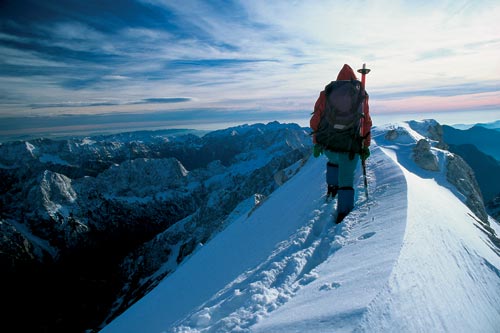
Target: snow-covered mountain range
(87, 221)
(230, 231)
(420, 255)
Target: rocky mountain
(478, 146)
(93, 223)
(486, 169)
(485, 139)
(492, 125)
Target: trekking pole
(363, 163)
(363, 72)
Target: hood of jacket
(346, 73)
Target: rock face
(423, 156)
(94, 223)
(461, 175)
(478, 146)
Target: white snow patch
(494, 225)
(87, 141)
(31, 148)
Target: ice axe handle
(363, 72)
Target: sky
(236, 60)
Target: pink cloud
(478, 101)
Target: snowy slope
(413, 258)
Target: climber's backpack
(340, 125)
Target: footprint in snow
(366, 236)
(329, 286)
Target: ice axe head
(364, 70)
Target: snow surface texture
(412, 258)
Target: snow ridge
(359, 257)
(444, 279)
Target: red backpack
(340, 124)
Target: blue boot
(332, 179)
(345, 203)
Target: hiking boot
(340, 217)
(332, 191)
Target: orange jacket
(346, 73)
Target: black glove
(317, 150)
(364, 153)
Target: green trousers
(346, 168)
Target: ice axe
(363, 72)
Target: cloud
(266, 55)
(437, 53)
(415, 104)
(72, 125)
(462, 89)
(155, 100)
(161, 100)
